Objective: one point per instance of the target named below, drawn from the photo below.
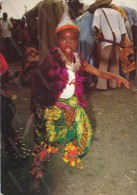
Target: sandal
(80, 165)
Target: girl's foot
(35, 186)
(80, 165)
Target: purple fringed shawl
(56, 75)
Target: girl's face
(68, 41)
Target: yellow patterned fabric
(122, 11)
(53, 127)
(127, 56)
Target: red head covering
(66, 22)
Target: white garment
(72, 67)
(5, 27)
(70, 87)
(116, 21)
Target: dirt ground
(110, 167)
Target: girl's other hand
(120, 80)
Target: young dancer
(58, 101)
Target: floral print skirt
(64, 122)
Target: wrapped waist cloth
(63, 122)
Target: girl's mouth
(68, 49)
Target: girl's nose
(69, 42)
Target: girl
(57, 100)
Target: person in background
(75, 8)
(58, 102)
(108, 23)
(12, 142)
(126, 21)
(132, 17)
(127, 54)
(86, 44)
(45, 16)
(5, 31)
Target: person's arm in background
(123, 37)
(123, 40)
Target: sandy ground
(110, 167)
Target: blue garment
(86, 42)
(131, 14)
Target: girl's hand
(120, 80)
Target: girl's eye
(73, 40)
(64, 40)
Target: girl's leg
(78, 146)
(84, 131)
(35, 185)
(41, 153)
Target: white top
(70, 87)
(71, 69)
(116, 21)
(5, 27)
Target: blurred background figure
(30, 61)
(132, 17)
(12, 142)
(127, 54)
(5, 33)
(45, 17)
(86, 42)
(109, 25)
(75, 8)
(23, 35)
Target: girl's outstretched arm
(105, 75)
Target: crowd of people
(82, 46)
(32, 30)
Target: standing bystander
(132, 17)
(108, 23)
(86, 43)
(48, 13)
(5, 33)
